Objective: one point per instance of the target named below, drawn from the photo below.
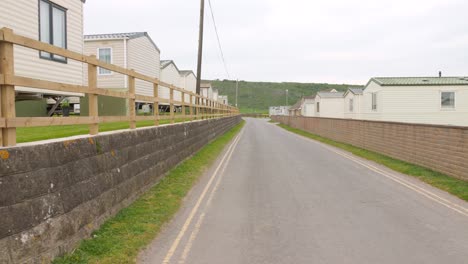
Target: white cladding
(279, 110)
(22, 16)
(223, 99)
(143, 57)
(188, 81)
(118, 51)
(330, 107)
(170, 74)
(215, 95)
(416, 104)
(138, 53)
(206, 90)
(352, 105)
(308, 107)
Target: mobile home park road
(276, 197)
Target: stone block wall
(441, 148)
(53, 195)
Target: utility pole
(287, 97)
(237, 90)
(200, 45)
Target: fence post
(131, 99)
(93, 98)
(210, 109)
(7, 93)
(200, 107)
(156, 103)
(197, 107)
(171, 102)
(183, 106)
(191, 107)
(205, 112)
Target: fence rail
(198, 106)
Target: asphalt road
(275, 197)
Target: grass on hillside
(120, 239)
(444, 182)
(30, 134)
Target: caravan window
(447, 100)
(374, 101)
(105, 55)
(52, 28)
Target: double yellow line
(218, 173)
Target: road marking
(197, 227)
(187, 223)
(428, 194)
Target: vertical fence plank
(7, 93)
(131, 100)
(204, 105)
(191, 107)
(93, 98)
(156, 104)
(183, 106)
(171, 103)
(197, 104)
(210, 109)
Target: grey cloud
(298, 40)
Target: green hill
(259, 96)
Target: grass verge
(120, 239)
(30, 134)
(454, 186)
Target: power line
(219, 42)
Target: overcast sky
(334, 41)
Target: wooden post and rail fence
(199, 107)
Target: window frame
(111, 61)
(351, 105)
(318, 107)
(52, 5)
(374, 104)
(442, 108)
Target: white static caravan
(352, 103)
(425, 100)
(206, 90)
(296, 109)
(57, 22)
(223, 99)
(279, 110)
(215, 95)
(308, 106)
(188, 82)
(169, 74)
(329, 104)
(135, 50)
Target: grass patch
(120, 239)
(30, 134)
(442, 181)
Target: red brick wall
(441, 148)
